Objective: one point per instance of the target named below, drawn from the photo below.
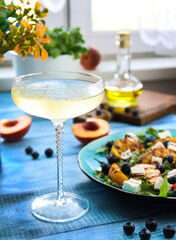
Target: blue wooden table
(22, 179)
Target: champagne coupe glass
(58, 96)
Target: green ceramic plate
(88, 164)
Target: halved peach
(16, 129)
(90, 130)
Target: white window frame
(80, 16)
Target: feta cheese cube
(131, 136)
(159, 183)
(127, 154)
(157, 160)
(171, 146)
(171, 173)
(165, 134)
(158, 144)
(138, 171)
(132, 185)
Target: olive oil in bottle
(123, 90)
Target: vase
(32, 65)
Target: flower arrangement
(22, 29)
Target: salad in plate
(142, 164)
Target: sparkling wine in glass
(58, 96)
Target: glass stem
(59, 131)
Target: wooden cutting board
(152, 105)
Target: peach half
(16, 129)
(90, 130)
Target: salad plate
(91, 156)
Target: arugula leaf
(152, 131)
(168, 166)
(136, 158)
(141, 139)
(147, 189)
(164, 188)
(103, 149)
(106, 179)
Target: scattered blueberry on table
(135, 112)
(151, 224)
(49, 152)
(28, 150)
(127, 109)
(129, 228)
(169, 231)
(145, 234)
(35, 155)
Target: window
(100, 20)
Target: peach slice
(90, 130)
(16, 129)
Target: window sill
(145, 69)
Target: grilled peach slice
(116, 175)
(122, 145)
(163, 139)
(157, 152)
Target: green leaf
(147, 189)
(164, 188)
(153, 132)
(103, 149)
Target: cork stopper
(123, 40)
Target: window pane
(113, 15)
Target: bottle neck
(123, 62)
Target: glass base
(48, 208)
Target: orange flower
(37, 53)
(16, 49)
(40, 30)
(26, 25)
(45, 40)
(44, 54)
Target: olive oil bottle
(123, 90)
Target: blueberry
(169, 231)
(172, 179)
(149, 139)
(35, 155)
(129, 228)
(102, 105)
(161, 167)
(127, 109)
(125, 168)
(109, 144)
(112, 159)
(145, 234)
(151, 224)
(105, 168)
(169, 158)
(48, 152)
(135, 112)
(98, 112)
(174, 193)
(28, 150)
(110, 109)
(166, 143)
